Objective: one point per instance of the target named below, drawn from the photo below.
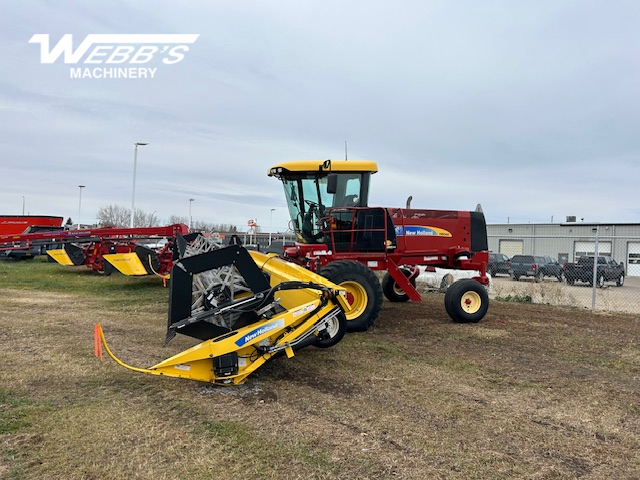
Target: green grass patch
(386, 350)
(15, 412)
(598, 360)
(238, 436)
(231, 432)
(455, 364)
(516, 298)
(115, 290)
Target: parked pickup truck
(582, 270)
(553, 268)
(534, 266)
(498, 263)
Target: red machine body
(387, 238)
(15, 224)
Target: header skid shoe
(247, 308)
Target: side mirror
(332, 183)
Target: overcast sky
(530, 108)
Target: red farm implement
(345, 240)
(132, 251)
(17, 224)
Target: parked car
(526, 266)
(552, 268)
(607, 270)
(498, 263)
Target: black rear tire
(362, 286)
(620, 281)
(391, 289)
(466, 301)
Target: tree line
(118, 216)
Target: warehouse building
(568, 241)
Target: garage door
(511, 247)
(633, 259)
(589, 248)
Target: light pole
(80, 204)
(133, 190)
(190, 202)
(270, 224)
(22, 204)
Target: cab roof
(312, 166)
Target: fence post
(595, 270)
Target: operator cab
(312, 187)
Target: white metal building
(568, 241)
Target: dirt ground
(532, 391)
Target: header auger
(345, 240)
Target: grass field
(531, 392)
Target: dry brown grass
(533, 391)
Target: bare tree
(173, 219)
(142, 219)
(118, 216)
(113, 216)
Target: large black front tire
(363, 291)
(466, 301)
(391, 289)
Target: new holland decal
(419, 231)
(260, 331)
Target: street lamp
(270, 224)
(22, 204)
(190, 202)
(133, 191)
(80, 204)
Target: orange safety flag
(97, 342)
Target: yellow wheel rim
(357, 298)
(397, 290)
(470, 302)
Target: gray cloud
(529, 109)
